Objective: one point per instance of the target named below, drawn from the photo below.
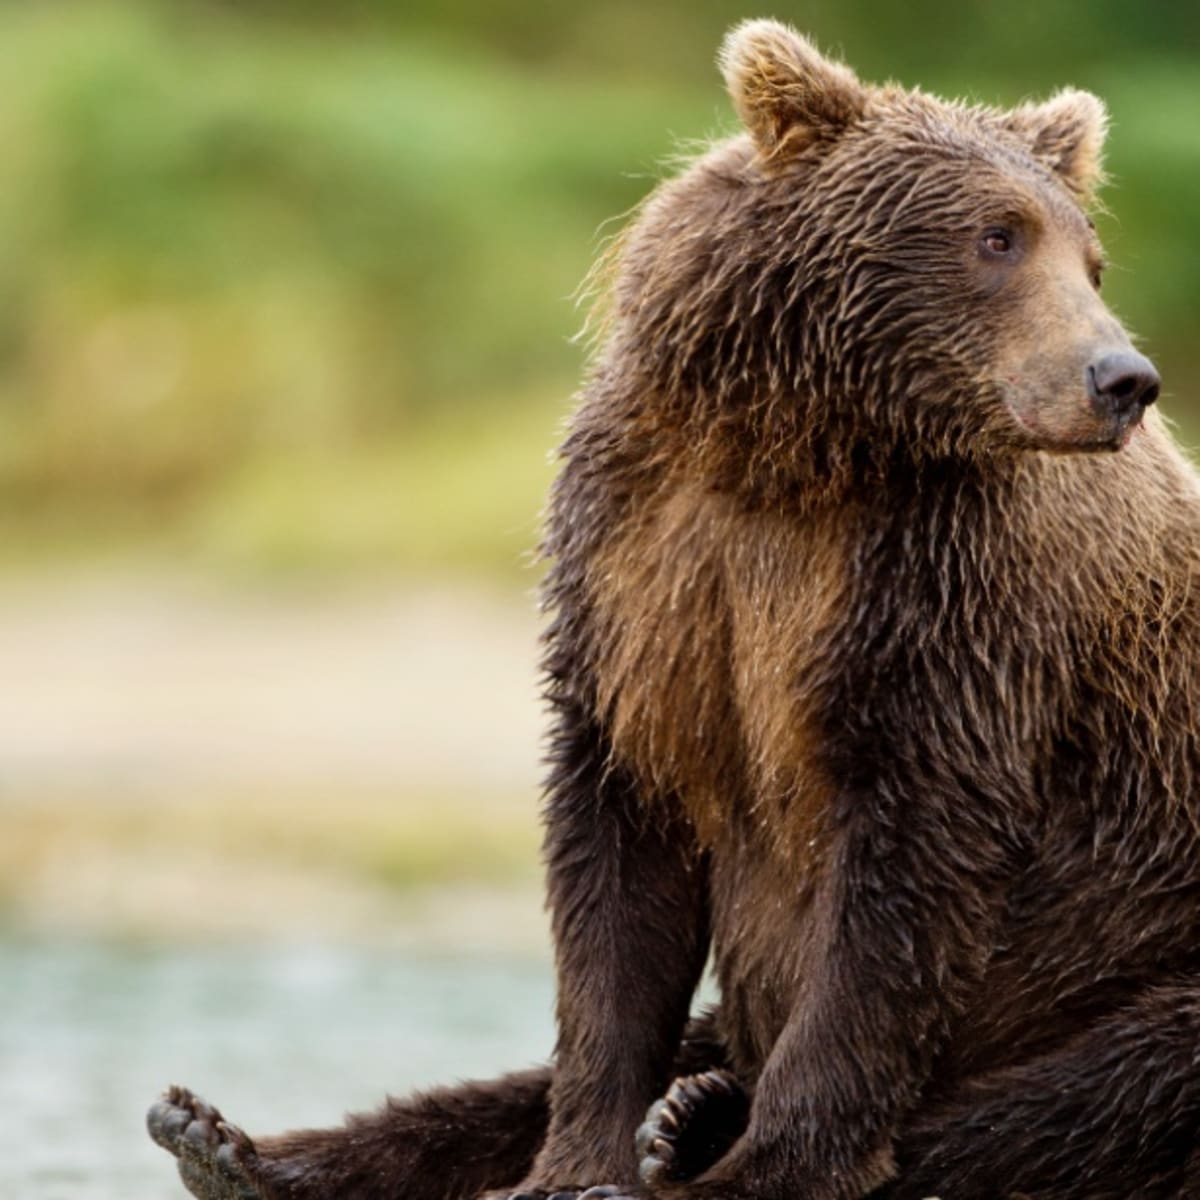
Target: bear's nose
(1123, 382)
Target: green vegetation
(288, 289)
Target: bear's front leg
(905, 915)
(626, 890)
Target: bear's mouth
(1078, 430)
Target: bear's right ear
(1066, 133)
(786, 92)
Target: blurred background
(285, 341)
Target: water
(278, 1037)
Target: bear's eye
(997, 243)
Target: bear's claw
(690, 1128)
(217, 1161)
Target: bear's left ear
(1066, 133)
(787, 93)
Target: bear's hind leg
(445, 1144)
(1112, 1114)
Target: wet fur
(859, 687)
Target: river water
(277, 1036)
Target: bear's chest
(716, 630)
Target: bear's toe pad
(598, 1192)
(217, 1161)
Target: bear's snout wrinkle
(1123, 384)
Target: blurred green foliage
(289, 283)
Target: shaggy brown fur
(874, 669)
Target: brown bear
(874, 661)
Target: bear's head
(874, 267)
